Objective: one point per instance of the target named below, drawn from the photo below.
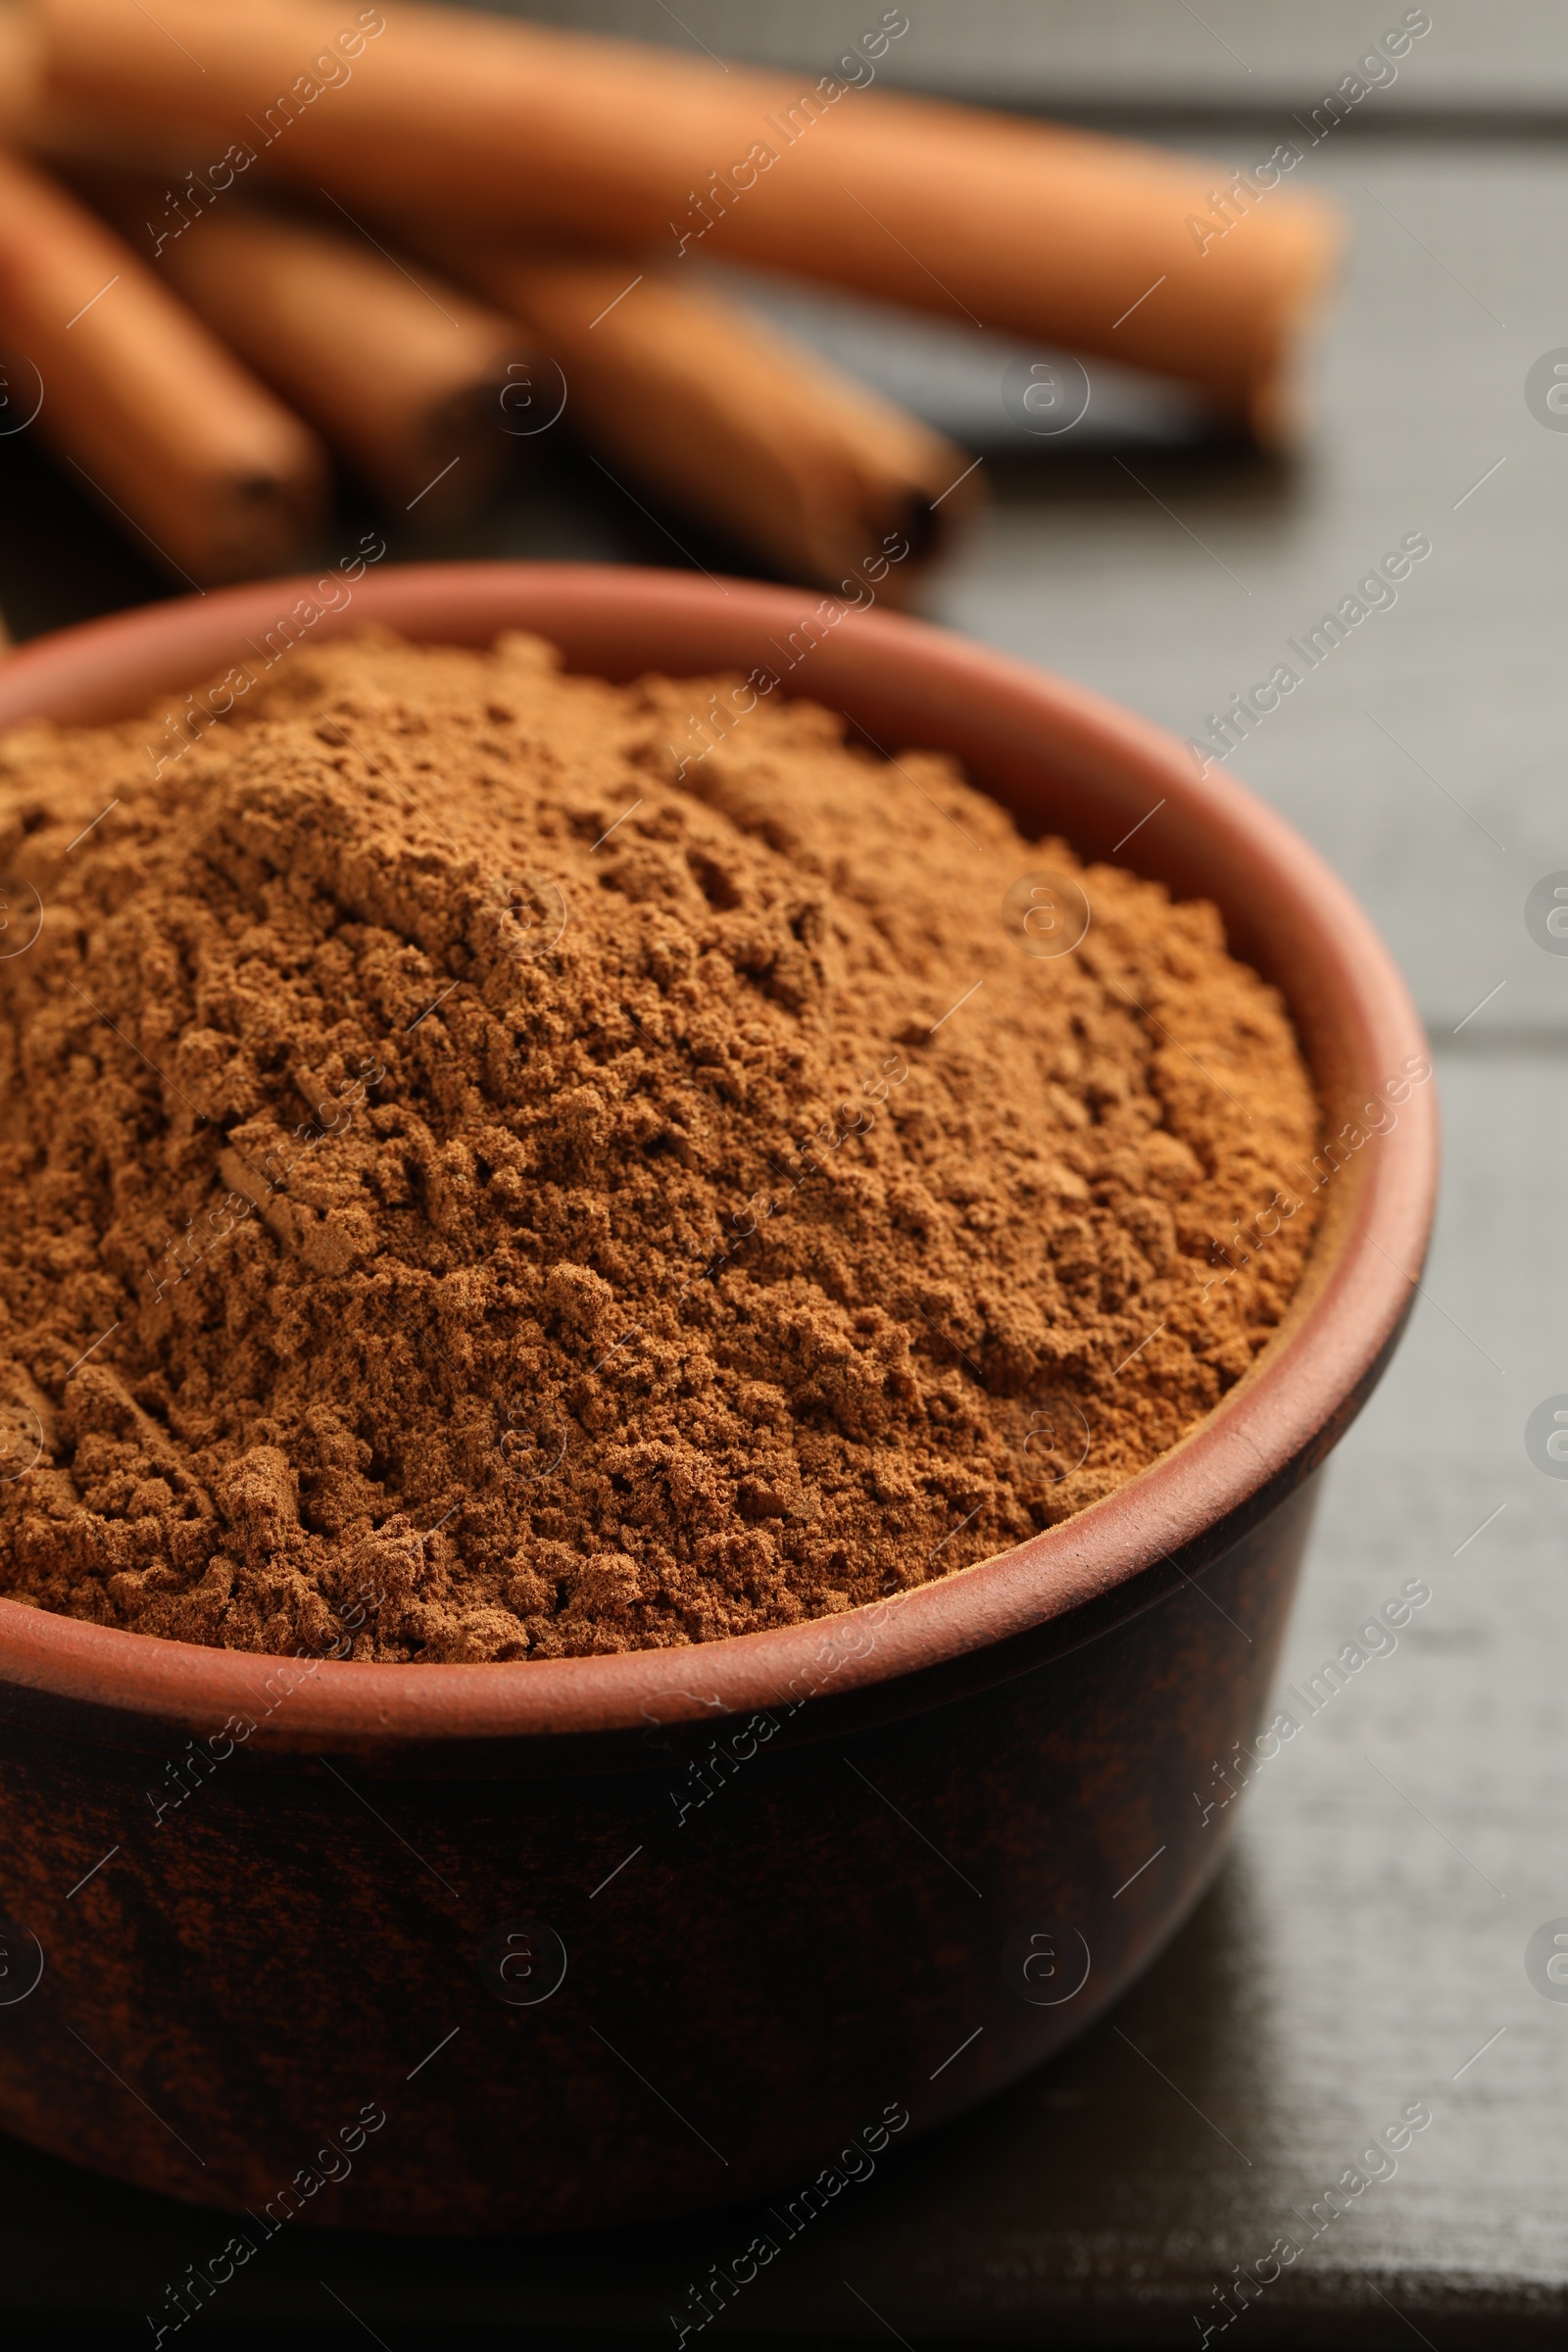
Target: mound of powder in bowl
(474, 1190)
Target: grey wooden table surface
(1367, 1945)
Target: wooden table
(1366, 1946)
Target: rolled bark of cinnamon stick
(211, 471)
(1059, 237)
(714, 411)
(399, 372)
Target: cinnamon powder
(480, 1184)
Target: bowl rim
(1311, 1378)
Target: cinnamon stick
(716, 412)
(1061, 237)
(402, 375)
(213, 472)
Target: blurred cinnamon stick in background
(399, 371)
(150, 408)
(701, 404)
(711, 408)
(1057, 236)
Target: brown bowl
(611, 1939)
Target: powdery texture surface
(538, 1207)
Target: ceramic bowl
(535, 1946)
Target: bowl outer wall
(1065, 760)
